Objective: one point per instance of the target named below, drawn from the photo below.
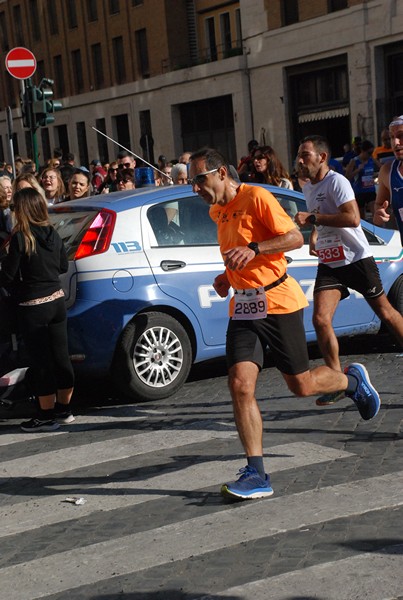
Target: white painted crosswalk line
(57, 461)
(372, 576)
(51, 509)
(196, 537)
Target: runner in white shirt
(345, 258)
(336, 246)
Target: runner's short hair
(319, 142)
(213, 159)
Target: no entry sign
(21, 63)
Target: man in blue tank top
(389, 199)
(360, 172)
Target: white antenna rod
(131, 152)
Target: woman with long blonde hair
(7, 186)
(31, 273)
(52, 182)
(25, 180)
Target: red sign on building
(21, 63)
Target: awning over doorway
(324, 115)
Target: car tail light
(98, 236)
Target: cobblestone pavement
(154, 526)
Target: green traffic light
(43, 106)
(57, 105)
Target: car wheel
(395, 295)
(152, 358)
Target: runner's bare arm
(240, 256)
(348, 216)
(352, 170)
(312, 242)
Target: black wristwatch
(312, 219)
(255, 247)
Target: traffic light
(26, 107)
(37, 106)
(43, 106)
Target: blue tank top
(396, 195)
(364, 180)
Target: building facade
(160, 77)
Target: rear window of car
(71, 226)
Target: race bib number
(250, 304)
(330, 249)
(367, 181)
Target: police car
(141, 305)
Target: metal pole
(35, 148)
(9, 116)
(34, 142)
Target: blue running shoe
(365, 396)
(249, 485)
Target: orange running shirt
(254, 215)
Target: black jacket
(35, 276)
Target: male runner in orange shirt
(254, 232)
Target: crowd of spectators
(360, 164)
(60, 179)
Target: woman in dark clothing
(30, 272)
(110, 184)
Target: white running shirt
(336, 246)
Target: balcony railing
(206, 55)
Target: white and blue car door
(180, 242)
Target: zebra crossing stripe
(198, 536)
(42, 511)
(373, 576)
(57, 461)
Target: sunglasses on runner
(201, 177)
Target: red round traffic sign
(20, 63)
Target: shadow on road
(101, 392)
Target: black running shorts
(283, 334)
(361, 276)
